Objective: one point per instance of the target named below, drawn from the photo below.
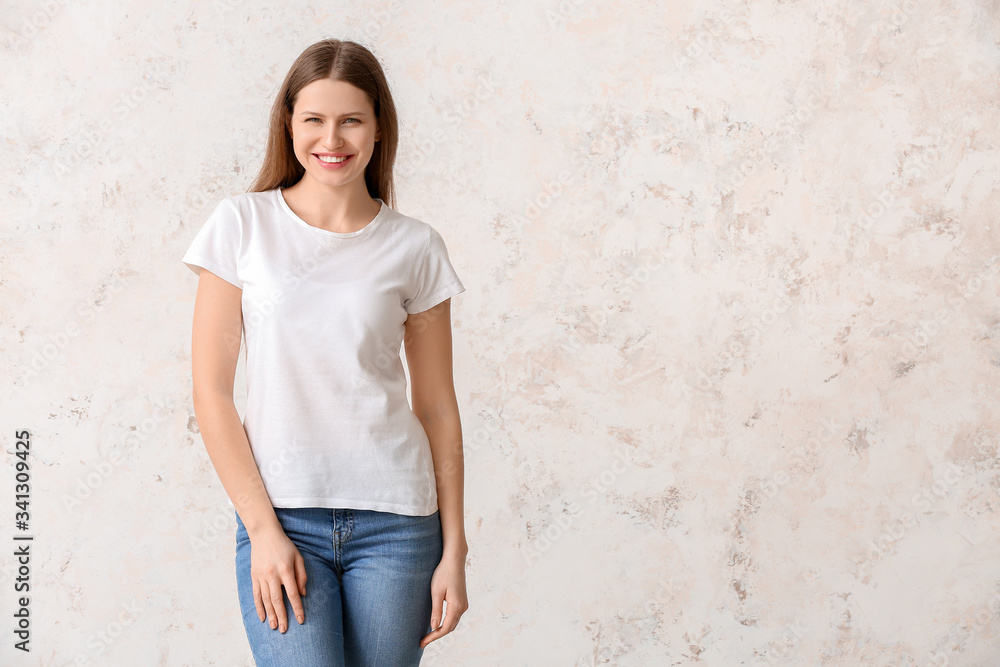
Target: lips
(333, 166)
(319, 157)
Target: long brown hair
(338, 60)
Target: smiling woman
(333, 138)
(334, 478)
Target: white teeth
(324, 158)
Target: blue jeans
(368, 589)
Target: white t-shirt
(327, 415)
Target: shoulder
(416, 231)
(251, 202)
(243, 210)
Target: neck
(341, 209)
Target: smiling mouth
(330, 159)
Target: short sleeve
(216, 246)
(435, 278)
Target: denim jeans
(368, 589)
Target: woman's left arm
(427, 340)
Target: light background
(727, 361)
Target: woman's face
(333, 120)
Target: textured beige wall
(728, 360)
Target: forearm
(445, 435)
(229, 449)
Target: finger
(278, 602)
(431, 636)
(292, 590)
(436, 615)
(261, 612)
(437, 610)
(298, 589)
(300, 572)
(452, 615)
(265, 596)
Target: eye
(309, 119)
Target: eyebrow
(350, 113)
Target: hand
(275, 561)
(447, 585)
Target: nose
(332, 139)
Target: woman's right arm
(215, 349)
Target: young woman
(334, 479)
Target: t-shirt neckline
(378, 218)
